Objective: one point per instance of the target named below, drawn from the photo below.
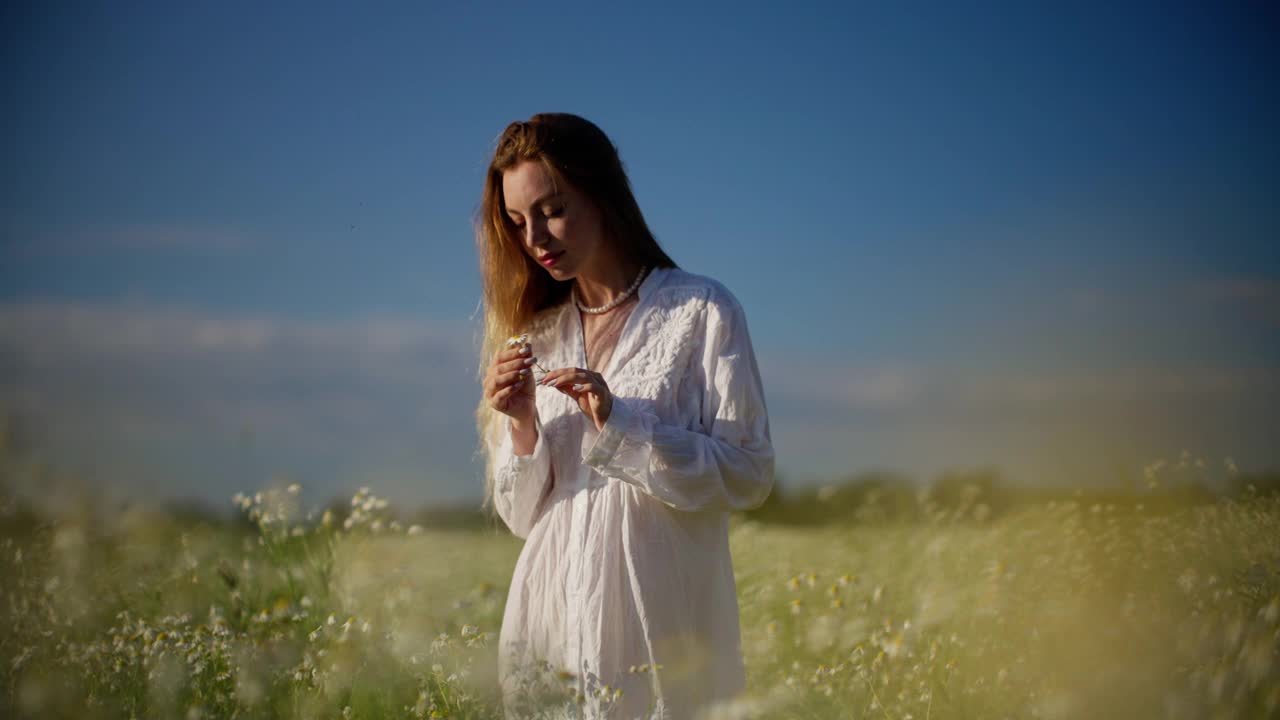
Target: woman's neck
(600, 289)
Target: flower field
(1061, 609)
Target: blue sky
(237, 241)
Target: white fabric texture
(626, 557)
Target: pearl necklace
(613, 303)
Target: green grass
(1052, 609)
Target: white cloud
(188, 401)
(894, 388)
(117, 386)
(889, 387)
(1237, 289)
(1038, 423)
(1086, 300)
(1255, 295)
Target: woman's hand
(508, 385)
(587, 388)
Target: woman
(619, 464)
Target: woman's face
(557, 225)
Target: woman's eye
(554, 212)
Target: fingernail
(526, 350)
(523, 372)
(530, 361)
(518, 383)
(579, 388)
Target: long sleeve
(520, 481)
(729, 467)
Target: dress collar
(651, 281)
(626, 340)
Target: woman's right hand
(508, 385)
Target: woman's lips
(550, 259)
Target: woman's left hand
(585, 386)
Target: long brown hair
(574, 151)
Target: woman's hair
(573, 151)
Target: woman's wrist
(524, 435)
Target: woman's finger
(552, 375)
(500, 399)
(499, 381)
(509, 354)
(515, 364)
(508, 378)
(563, 378)
(562, 375)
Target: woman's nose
(535, 235)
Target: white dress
(626, 557)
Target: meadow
(1061, 608)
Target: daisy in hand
(521, 340)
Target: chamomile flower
(521, 340)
